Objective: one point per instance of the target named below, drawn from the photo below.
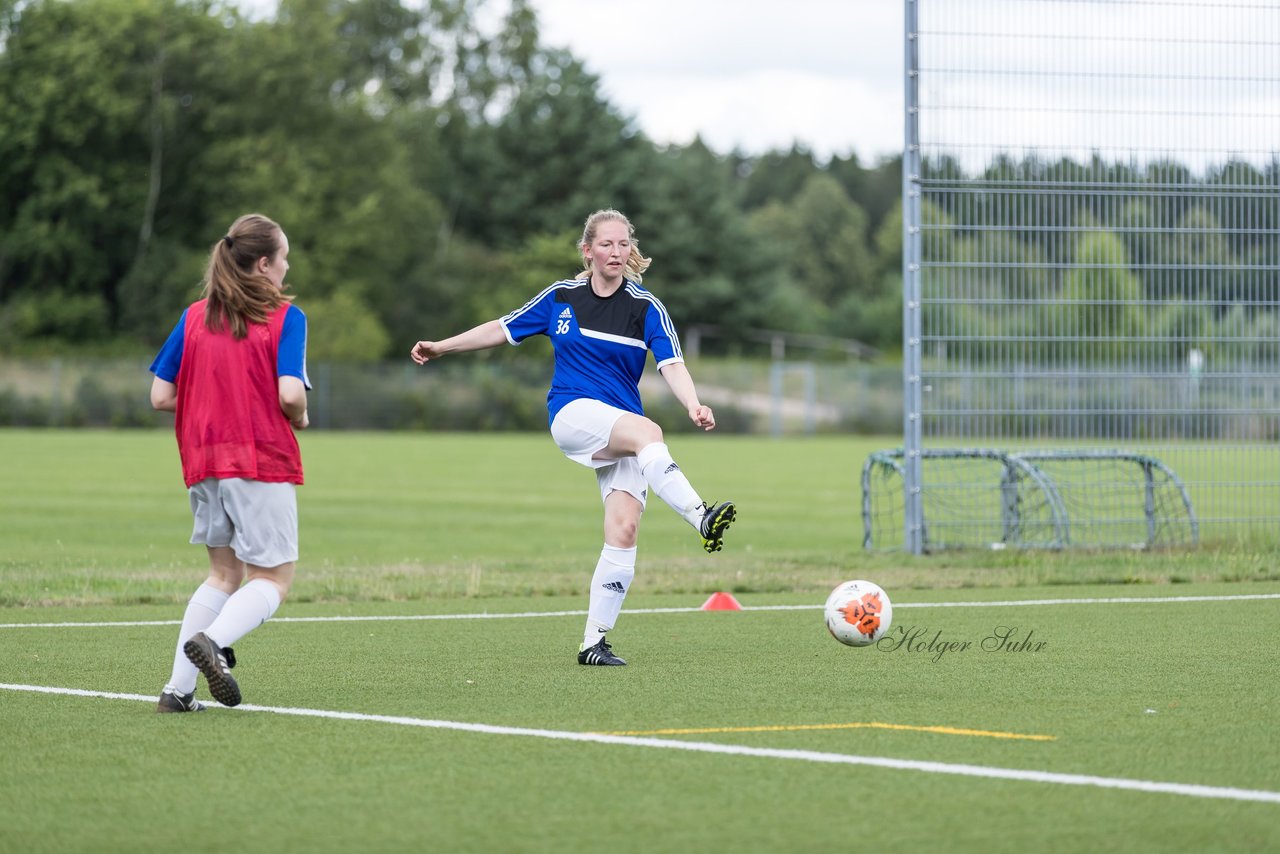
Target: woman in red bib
(233, 372)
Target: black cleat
(171, 701)
(215, 663)
(714, 523)
(600, 654)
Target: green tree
(776, 176)
(877, 190)
(833, 258)
(824, 236)
(335, 167)
(78, 113)
(1202, 247)
(709, 267)
(559, 152)
(341, 328)
(879, 319)
(1103, 298)
(134, 131)
(793, 307)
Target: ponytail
(238, 295)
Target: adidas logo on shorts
(671, 468)
(566, 312)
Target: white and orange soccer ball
(858, 613)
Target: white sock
(249, 607)
(669, 483)
(609, 586)
(202, 609)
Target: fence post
(913, 515)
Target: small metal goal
(1045, 499)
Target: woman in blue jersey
(233, 372)
(603, 325)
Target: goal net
(987, 498)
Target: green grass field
(390, 706)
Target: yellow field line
(943, 730)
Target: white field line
(1012, 603)
(1153, 786)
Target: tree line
(1079, 262)
(431, 173)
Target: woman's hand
(425, 351)
(703, 417)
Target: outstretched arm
(482, 337)
(677, 377)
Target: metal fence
(496, 391)
(1091, 196)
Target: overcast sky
(752, 76)
(1188, 80)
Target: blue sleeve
(169, 359)
(530, 319)
(660, 334)
(291, 358)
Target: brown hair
(636, 263)
(238, 294)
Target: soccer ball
(858, 613)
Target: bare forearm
(681, 384)
(294, 409)
(481, 337)
(164, 395)
(293, 401)
(677, 377)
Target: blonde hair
(238, 294)
(636, 263)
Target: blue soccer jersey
(601, 343)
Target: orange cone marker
(721, 602)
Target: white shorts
(581, 430)
(258, 520)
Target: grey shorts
(258, 520)
(580, 430)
